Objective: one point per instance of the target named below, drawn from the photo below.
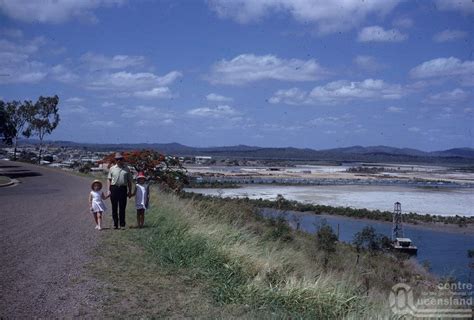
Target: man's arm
(129, 183)
(109, 183)
(109, 180)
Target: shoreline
(434, 226)
(449, 227)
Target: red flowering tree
(165, 170)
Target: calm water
(445, 251)
(443, 201)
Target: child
(142, 198)
(96, 203)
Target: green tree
(19, 114)
(7, 130)
(370, 240)
(326, 240)
(44, 119)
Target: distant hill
(353, 153)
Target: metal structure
(397, 228)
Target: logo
(401, 299)
(448, 301)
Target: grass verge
(212, 258)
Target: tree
(166, 170)
(7, 130)
(19, 114)
(44, 119)
(326, 240)
(370, 240)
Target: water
(442, 201)
(446, 252)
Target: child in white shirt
(142, 198)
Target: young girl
(96, 203)
(142, 198)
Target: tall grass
(247, 260)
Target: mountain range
(353, 153)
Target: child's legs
(140, 217)
(95, 217)
(99, 218)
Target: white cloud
(368, 63)
(379, 34)
(74, 109)
(107, 104)
(403, 23)
(328, 16)
(394, 109)
(101, 62)
(148, 115)
(463, 6)
(444, 67)
(293, 96)
(132, 81)
(104, 123)
(223, 111)
(22, 46)
(247, 68)
(155, 93)
(11, 33)
(332, 120)
(18, 65)
(414, 129)
(52, 11)
(367, 89)
(74, 100)
(280, 127)
(449, 35)
(341, 91)
(218, 98)
(62, 73)
(448, 97)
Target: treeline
(284, 204)
(366, 169)
(28, 119)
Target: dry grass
(213, 259)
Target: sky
(277, 73)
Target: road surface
(46, 238)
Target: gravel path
(46, 239)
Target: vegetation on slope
(262, 267)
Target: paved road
(46, 238)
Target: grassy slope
(212, 258)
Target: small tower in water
(397, 228)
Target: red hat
(141, 175)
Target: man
(120, 187)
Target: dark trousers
(118, 197)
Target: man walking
(120, 187)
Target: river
(446, 252)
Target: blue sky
(302, 73)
